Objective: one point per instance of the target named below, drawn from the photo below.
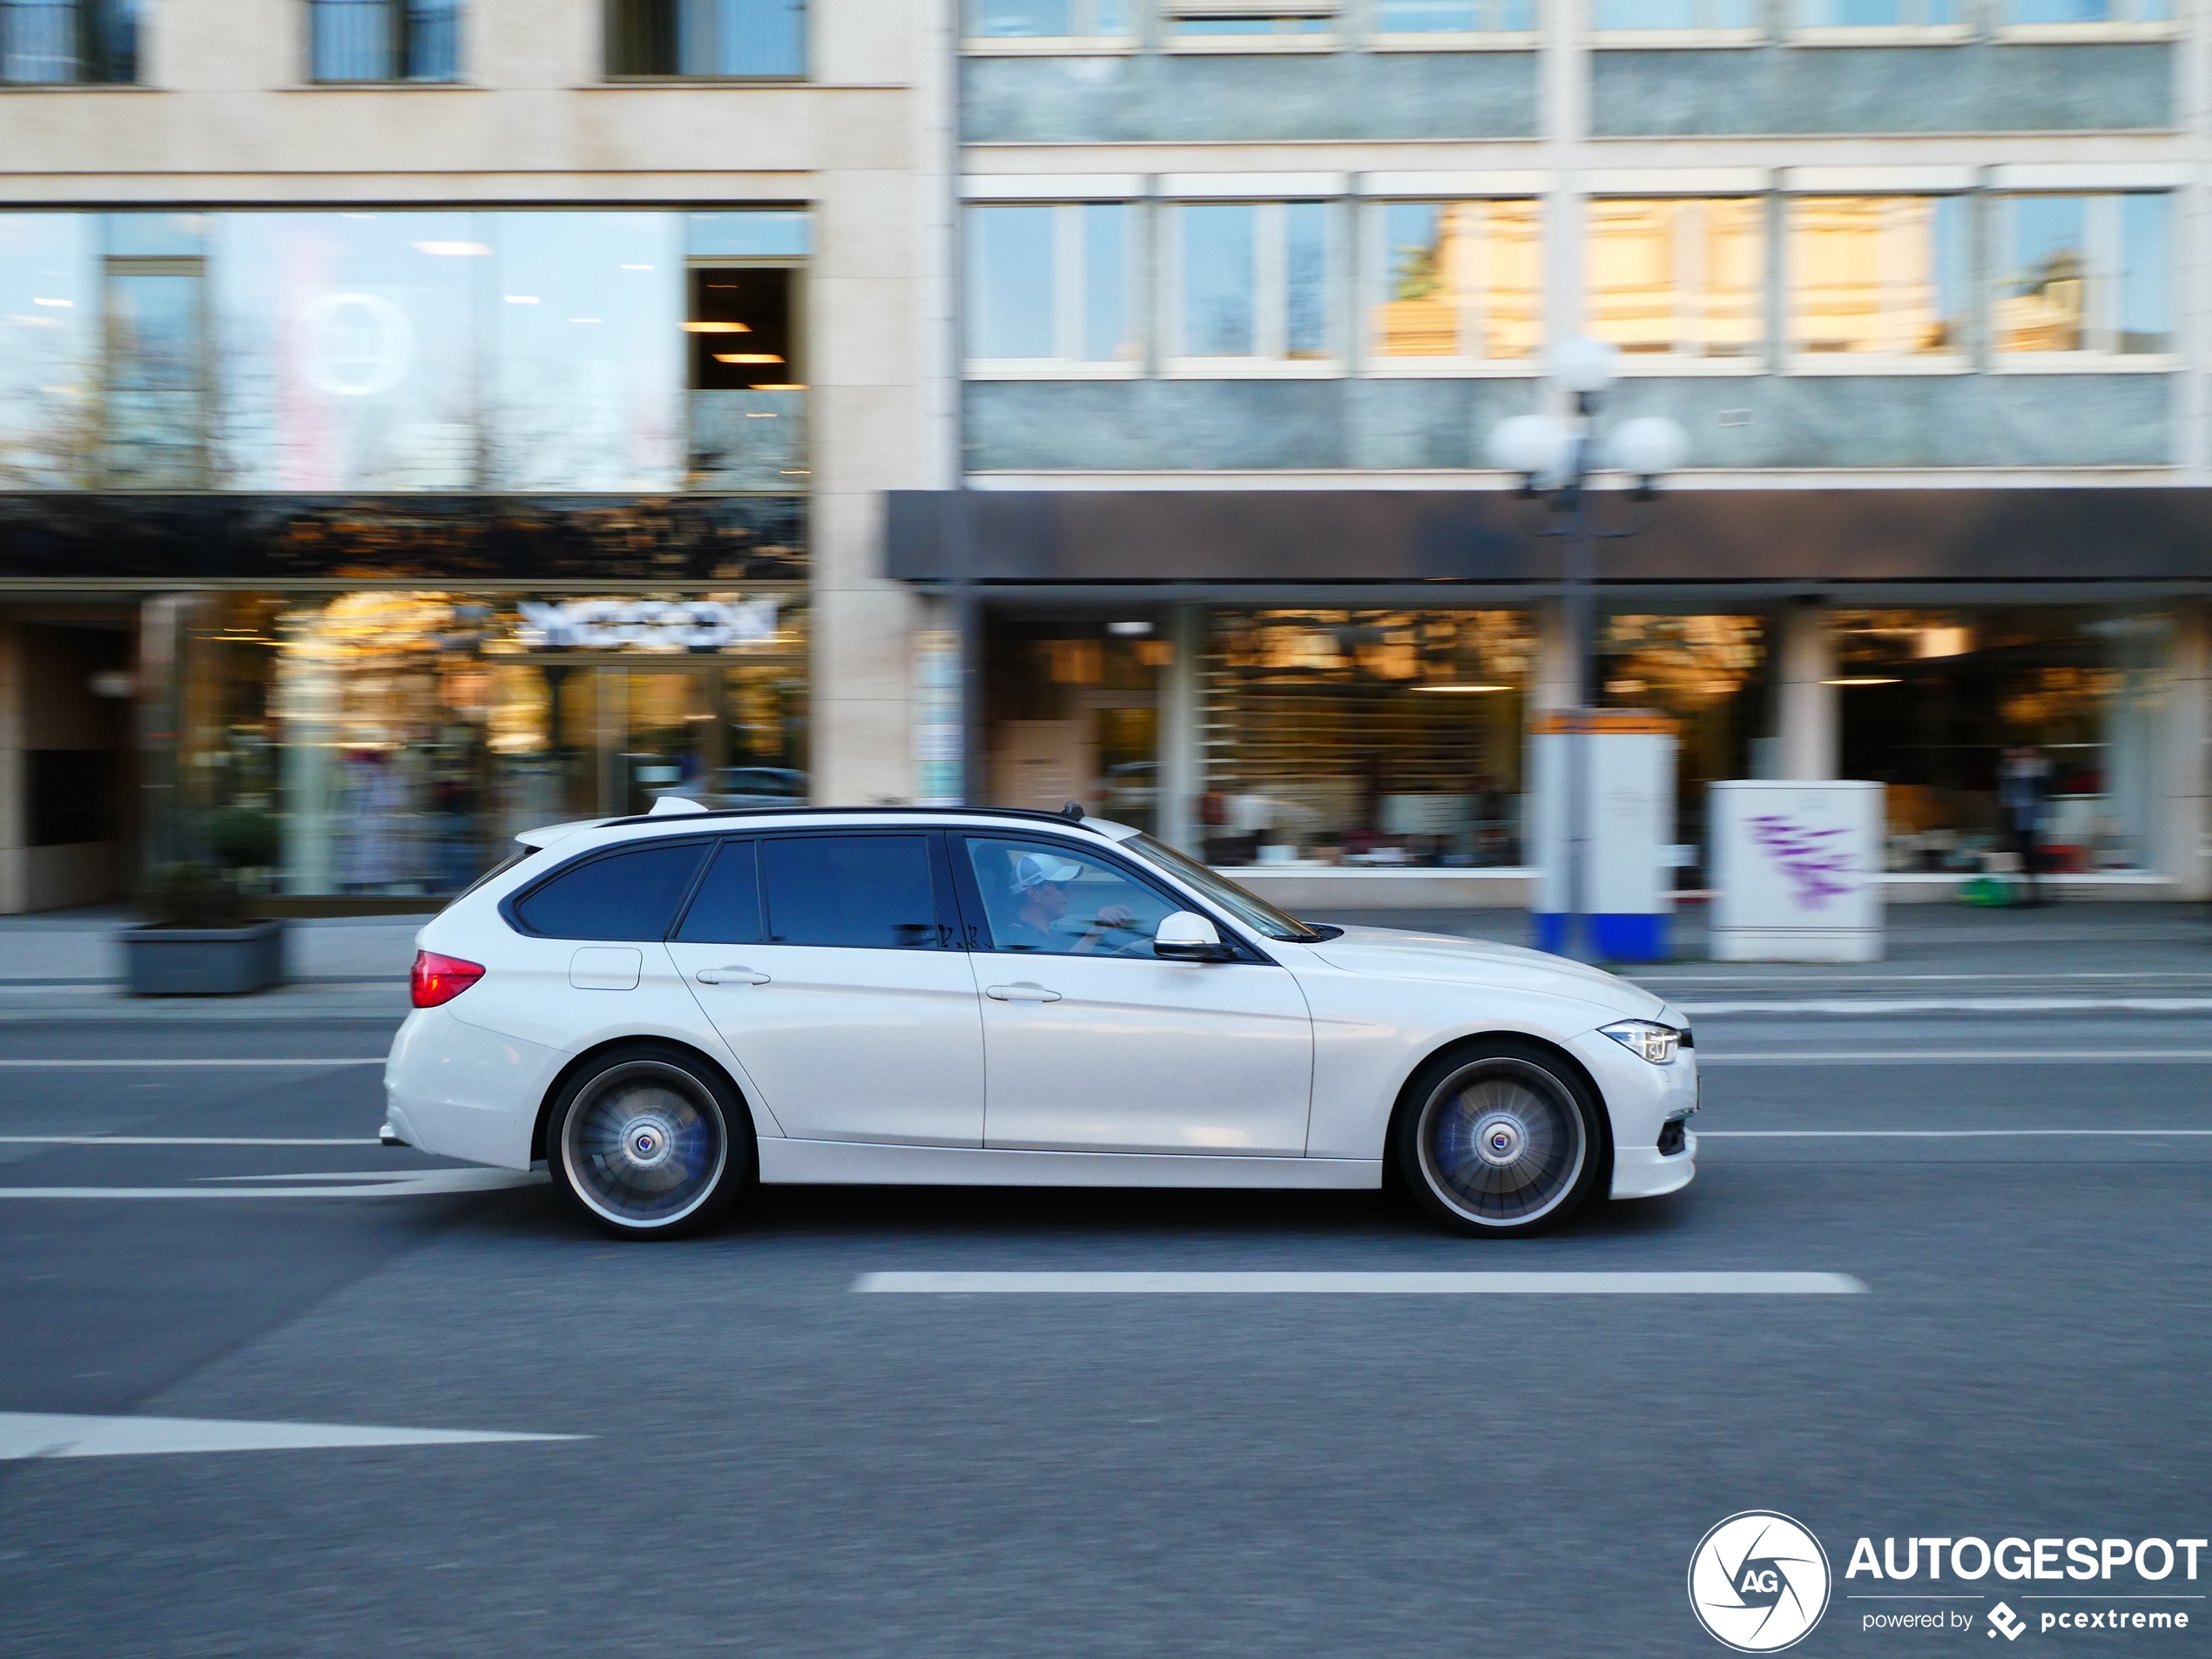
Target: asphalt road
(777, 1465)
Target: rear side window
(625, 895)
(727, 910)
(865, 890)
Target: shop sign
(651, 624)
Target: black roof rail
(677, 820)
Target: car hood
(1385, 952)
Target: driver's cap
(1034, 869)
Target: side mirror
(1187, 936)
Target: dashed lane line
(1359, 1283)
(58, 1434)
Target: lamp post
(1555, 458)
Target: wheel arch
(583, 1060)
(1473, 1041)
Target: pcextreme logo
(1758, 1581)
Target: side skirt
(838, 1162)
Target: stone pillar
(2185, 768)
(1182, 772)
(1556, 668)
(1809, 724)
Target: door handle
(1024, 991)
(730, 976)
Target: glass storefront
(391, 742)
(1933, 699)
(1074, 714)
(1341, 737)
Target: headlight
(1647, 1038)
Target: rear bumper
(462, 1092)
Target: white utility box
(1796, 870)
(1629, 889)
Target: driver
(1041, 888)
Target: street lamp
(1554, 457)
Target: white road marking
(180, 1140)
(1957, 1005)
(1920, 1133)
(1951, 1056)
(1362, 1283)
(112, 1065)
(419, 1183)
(55, 1435)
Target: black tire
(650, 1142)
(1498, 1139)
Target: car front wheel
(648, 1143)
(1498, 1141)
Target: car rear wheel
(1498, 1141)
(649, 1143)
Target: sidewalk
(66, 966)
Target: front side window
(1047, 19)
(384, 40)
(1457, 282)
(59, 42)
(2084, 275)
(870, 891)
(1678, 279)
(715, 39)
(1877, 276)
(1252, 282)
(1049, 900)
(1049, 284)
(631, 894)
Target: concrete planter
(204, 961)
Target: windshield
(1248, 908)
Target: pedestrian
(2023, 790)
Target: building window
(384, 40)
(1679, 280)
(1882, 15)
(2084, 276)
(153, 385)
(1738, 18)
(1048, 289)
(1454, 17)
(1049, 19)
(716, 39)
(1455, 283)
(59, 42)
(1876, 277)
(2085, 15)
(50, 346)
(1250, 284)
(1365, 737)
(744, 321)
(1241, 24)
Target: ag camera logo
(1758, 1581)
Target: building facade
(1246, 286)
(422, 418)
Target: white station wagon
(665, 1009)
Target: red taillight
(440, 978)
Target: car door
(1093, 1044)
(828, 961)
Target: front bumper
(1641, 1099)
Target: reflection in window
(1878, 274)
(1253, 281)
(2085, 273)
(153, 392)
(1280, 24)
(348, 348)
(1048, 19)
(1677, 14)
(1458, 280)
(56, 41)
(1365, 737)
(1454, 17)
(384, 40)
(585, 390)
(1678, 278)
(2085, 11)
(716, 38)
(1049, 283)
(1876, 14)
(50, 342)
(748, 386)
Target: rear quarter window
(629, 894)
